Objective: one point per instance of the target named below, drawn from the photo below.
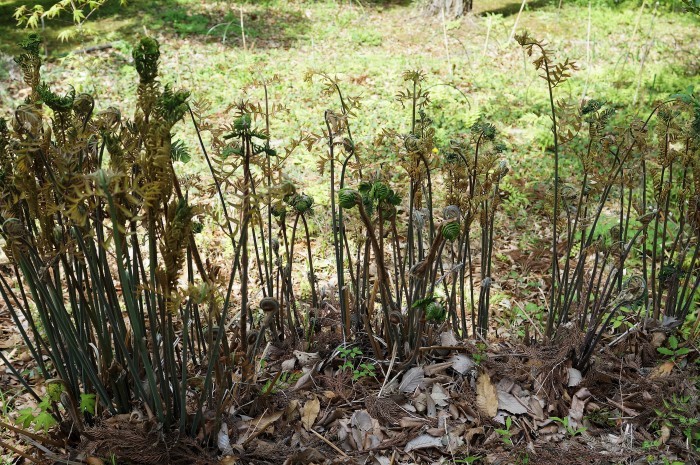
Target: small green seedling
(363, 370)
(480, 354)
(506, 435)
(570, 430)
(349, 354)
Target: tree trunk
(452, 8)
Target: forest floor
(497, 401)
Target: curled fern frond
(380, 191)
(450, 231)
(146, 55)
(27, 120)
(279, 210)
(301, 202)
(415, 75)
(31, 44)
(451, 212)
(348, 198)
(109, 119)
(172, 104)
(83, 106)
(54, 101)
(435, 312)
(30, 61)
(591, 106)
(485, 129)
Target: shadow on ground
(505, 8)
(266, 26)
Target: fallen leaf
(510, 403)
(303, 382)
(662, 370)
(420, 402)
(412, 379)
(536, 409)
(469, 435)
(11, 341)
(439, 395)
(657, 339)
(307, 359)
(310, 412)
(258, 425)
(222, 440)
(431, 410)
(424, 441)
(288, 365)
(578, 405)
(410, 422)
(436, 368)
(381, 460)
(448, 339)
(575, 377)
(486, 395)
(361, 420)
(461, 363)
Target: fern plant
(101, 234)
(652, 198)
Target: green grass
(369, 47)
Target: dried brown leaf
(486, 395)
(310, 412)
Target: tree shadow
(387, 3)
(505, 8)
(264, 26)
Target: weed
(505, 433)
(673, 351)
(362, 370)
(679, 412)
(277, 384)
(367, 37)
(571, 431)
(480, 353)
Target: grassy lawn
(369, 47)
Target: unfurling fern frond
(30, 62)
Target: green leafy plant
(79, 11)
(673, 351)
(571, 431)
(505, 433)
(480, 353)
(40, 417)
(279, 383)
(349, 355)
(680, 413)
(364, 370)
